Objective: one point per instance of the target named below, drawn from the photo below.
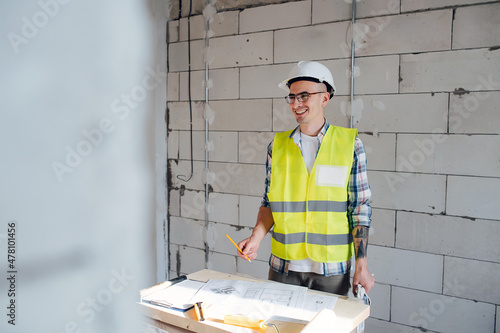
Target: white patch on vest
(331, 175)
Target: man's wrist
(258, 234)
(361, 263)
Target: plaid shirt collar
(296, 135)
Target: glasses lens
(303, 97)
(290, 99)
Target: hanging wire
(183, 177)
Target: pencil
(238, 248)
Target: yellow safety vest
(310, 210)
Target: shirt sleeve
(265, 199)
(359, 211)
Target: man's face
(309, 111)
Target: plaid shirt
(358, 209)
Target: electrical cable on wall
(183, 177)
(208, 12)
(206, 146)
(207, 117)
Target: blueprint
(176, 296)
(261, 299)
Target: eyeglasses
(302, 97)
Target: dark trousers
(335, 284)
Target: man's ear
(325, 97)
(325, 100)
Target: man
(317, 194)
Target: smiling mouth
(301, 111)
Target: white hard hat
(309, 69)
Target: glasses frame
(301, 97)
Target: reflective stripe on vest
(310, 212)
(317, 239)
(314, 206)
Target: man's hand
(264, 223)
(249, 247)
(362, 276)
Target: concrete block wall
(427, 90)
